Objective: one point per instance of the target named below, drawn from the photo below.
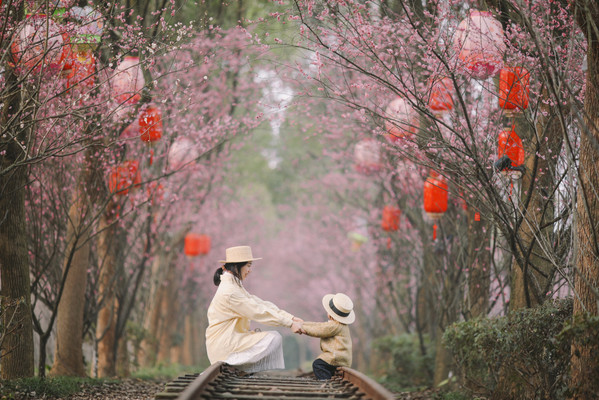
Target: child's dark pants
(322, 369)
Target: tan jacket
(335, 341)
(229, 316)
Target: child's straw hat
(340, 307)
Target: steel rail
(221, 381)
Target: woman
(228, 337)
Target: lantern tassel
(389, 243)
(151, 156)
(434, 232)
(511, 189)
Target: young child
(335, 340)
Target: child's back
(335, 340)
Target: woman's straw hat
(340, 307)
(238, 254)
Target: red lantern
(128, 81)
(514, 88)
(70, 57)
(435, 199)
(196, 244)
(83, 70)
(390, 220)
(510, 145)
(150, 124)
(204, 244)
(480, 44)
(367, 156)
(441, 95)
(40, 45)
(401, 119)
(124, 177)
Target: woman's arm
(255, 309)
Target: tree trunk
(17, 347)
(107, 314)
(122, 358)
(148, 347)
(169, 316)
(153, 319)
(188, 340)
(426, 319)
(68, 356)
(585, 364)
(479, 265)
(443, 360)
(16, 330)
(532, 271)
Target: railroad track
(221, 381)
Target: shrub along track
(221, 381)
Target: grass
(50, 387)
(63, 386)
(166, 372)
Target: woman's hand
(296, 326)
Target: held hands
(296, 326)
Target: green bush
(402, 363)
(582, 333)
(519, 356)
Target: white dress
(266, 354)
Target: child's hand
(296, 327)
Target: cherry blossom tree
(77, 137)
(366, 55)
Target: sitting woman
(228, 337)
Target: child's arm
(322, 329)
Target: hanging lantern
(514, 88)
(196, 244)
(123, 177)
(182, 153)
(128, 81)
(479, 43)
(204, 244)
(401, 120)
(435, 199)
(390, 219)
(83, 70)
(510, 145)
(357, 240)
(441, 98)
(89, 30)
(40, 46)
(150, 124)
(367, 156)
